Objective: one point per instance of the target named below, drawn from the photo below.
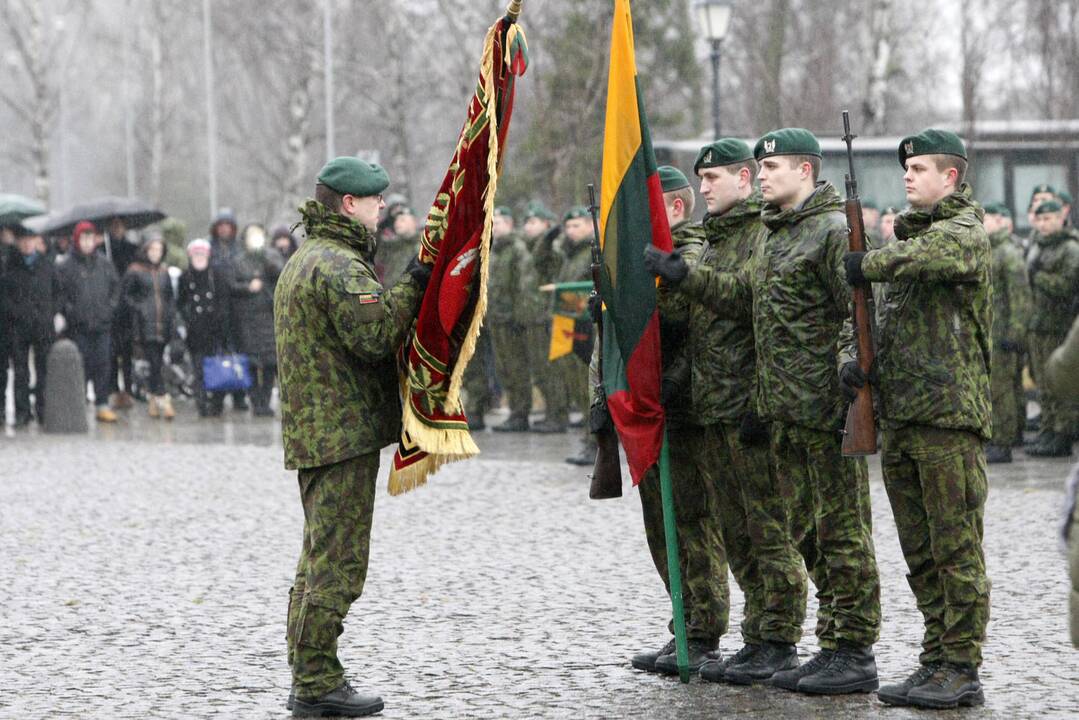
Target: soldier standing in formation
(933, 366)
(515, 317)
(1011, 308)
(338, 330)
(1053, 270)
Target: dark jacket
(30, 296)
(89, 292)
(149, 300)
(252, 313)
(204, 307)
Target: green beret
(931, 142)
(504, 211)
(352, 176)
(870, 203)
(536, 209)
(788, 141)
(997, 208)
(1049, 206)
(1043, 188)
(579, 211)
(1065, 197)
(725, 151)
(671, 178)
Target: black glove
(852, 264)
(420, 271)
(595, 307)
(668, 265)
(753, 430)
(1010, 346)
(668, 390)
(851, 379)
(599, 418)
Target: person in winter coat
(8, 256)
(254, 277)
(151, 306)
(89, 296)
(283, 241)
(119, 246)
(224, 247)
(30, 290)
(204, 308)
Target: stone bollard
(65, 390)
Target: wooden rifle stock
(607, 472)
(860, 430)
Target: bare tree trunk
(301, 101)
(41, 112)
(770, 112)
(157, 111)
(876, 103)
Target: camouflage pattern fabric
(1011, 309)
(394, 253)
(520, 353)
(936, 482)
(338, 504)
(674, 313)
(477, 378)
(753, 517)
(1054, 280)
(337, 332)
(831, 525)
(721, 333)
(546, 252)
(703, 562)
(935, 327)
(565, 380)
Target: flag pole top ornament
(514, 10)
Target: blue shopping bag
(226, 373)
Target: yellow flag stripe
(622, 131)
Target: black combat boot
(788, 679)
(586, 456)
(852, 669)
(763, 664)
(1051, 444)
(712, 670)
(647, 660)
(291, 699)
(343, 702)
(515, 423)
(475, 421)
(699, 653)
(547, 425)
(998, 454)
(897, 694)
(948, 687)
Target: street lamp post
(714, 17)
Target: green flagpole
(674, 572)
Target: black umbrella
(134, 212)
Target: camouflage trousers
(1006, 427)
(520, 352)
(478, 378)
(754, 521)
(338, 503)
(565, 386)
(701, 555)
(937, 486)
(832, 527)
(1059, 414)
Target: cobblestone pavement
(146, 571)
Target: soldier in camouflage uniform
(934, 394)
(338, 331)
(1011, 308)
(1054, 280)
(398, 246)
(515, 317)
(793, 285)
(565, 380)
(543, 239)
(734, 456)
(706, 596)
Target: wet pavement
(146, 570)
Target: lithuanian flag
(632, 216)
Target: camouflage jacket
(513, 295)
(394, 253)
(576, 262)
(1011, 291)
(794, 287)
(674, 315)
(546, 251)
(337, 335)
(1054, 280)
(934, 343)
(721, 344)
